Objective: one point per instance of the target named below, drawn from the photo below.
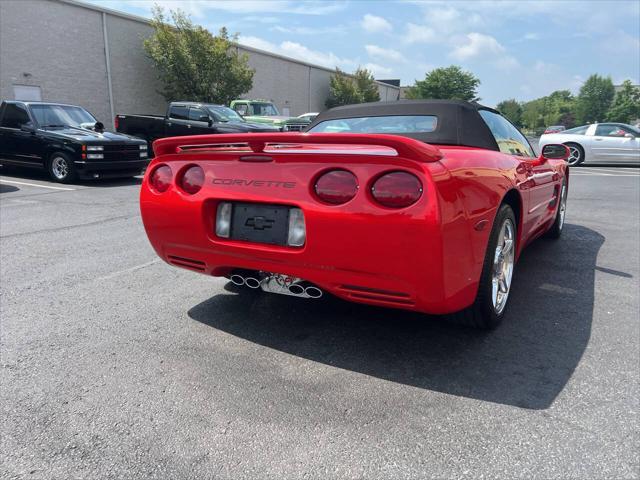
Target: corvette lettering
(253, 183)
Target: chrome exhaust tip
(296, 289)
(313, 292)
(252, 282)
(237, 279)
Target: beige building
(72, 52)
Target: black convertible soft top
(459, 122)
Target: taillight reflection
(397, 190)
(336, 187)
(160, 178)
(192, 179)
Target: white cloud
(309, 30)
(258, 43)
(299, 52)
(479, 46)
(378, 70)
(476, 44)
(419, 34)
(531, 36)
(375, 24)
(384, 54)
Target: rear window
(179, 112)
(387, 124)
(577, 130)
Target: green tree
(512, 109)
(366, 86)
(446, 83)
(594, 99)
(532, 114)
(349, 89)
(193, 64)
(626, 104)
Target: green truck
(260, 111)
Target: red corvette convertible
(419, 205)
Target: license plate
(260, 223)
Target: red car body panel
(427, 257)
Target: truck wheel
(488, 309)
(61, 168)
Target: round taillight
(192, 179)
(397, 189)
(336, 187)
(161, 178)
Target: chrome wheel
(562, 208)
(575, 155)
(60, 168)
(503, 266)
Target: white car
(598, 143)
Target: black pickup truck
(67, 141)
(188, 118)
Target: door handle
(168, 124)
(598, 139)
(188, 126)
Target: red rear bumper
(393, 260)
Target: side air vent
(189, 263)
(364, 293)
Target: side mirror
(629, 135)
(554, 151)
(27, 127)
(99, 127)
(209, 122)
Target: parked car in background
(599, 143)
(188, 118)
(260, 111)
(421, 205)
(67, 141)
(299, 123)
(554, 129)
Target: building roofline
(110, 11)
(146, 21)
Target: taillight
(116, 122)
(336, 187)
(397, 189)
(160, 178)
(192, 179)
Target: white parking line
(607, 170)
(128, 270)
(13, 182)
(590, 174)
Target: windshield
(61, 115)
(265, 109)
(388, 124)
(225, 114)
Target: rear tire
(576, 154)
(61, 168)
(490, 305)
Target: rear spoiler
(405, 147)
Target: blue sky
(519, 50)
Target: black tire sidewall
(556, 230)
(71, 171)
(484, 302)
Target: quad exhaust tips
(255, 280)
(248, 279)
(305, 288)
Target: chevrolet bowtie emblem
(259, 223)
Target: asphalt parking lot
(115, 365)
